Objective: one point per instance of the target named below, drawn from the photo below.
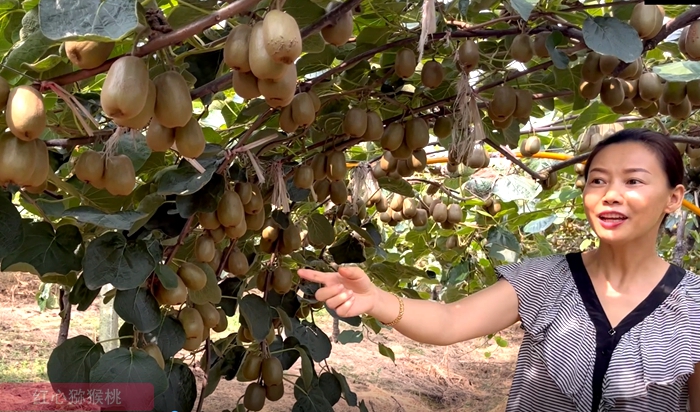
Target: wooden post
(109, 321)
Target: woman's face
(627, 193)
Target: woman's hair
(664, 148)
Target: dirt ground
(473, 376)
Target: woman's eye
(634, 181)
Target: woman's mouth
(610, 220)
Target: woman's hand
(349, 291)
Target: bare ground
(472, 376)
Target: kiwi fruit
(392, 137)
(25, 113)
(256, 201)
(337, 169)
(304, 177)
(158, 137)
(590, 69)
(279, 93)
(208, 220)
(16, 158)
(154, 351)
(125, 88)
(432, 74)
(608, 63)
(88, 54)
(355, 122)
(375, 128)
(649, 111)
(204, 248)
(521, 48)
(41, 169)
(692, 89)
(189, 139)
(291, 239)
(629, 87)
(439, 212)
(192, 322)
(245, 84)
(405, 63)
(442, 127)
(173, 102)
(171, 297)
(501, 124)
(192, 275)
(633, 70)
(674, 92)
(272, 371)
(611, 92)
(230, 210)
(417, 133)
(478, 159)
(286, 121)
(322, 188)
(539, 44)
(649, 87)
(302, 110)
(236, 48)
(318, 164)
(468, 55)
(530, 146)
(550, 182)
(236, 232)
(119, 175)
(680, 111)
(261, 63)
(210, 316)
(523, 104)
(691, 41)
(254, 396)
(419, 160)
(237, 263)
(4, 93)
(502, 104)
(454, 213)
(282, 37)
(647, 20)
(251, 367)
(141, 120)
(90, 167)
(254, 222)
(580, 182)
(282, 280)
(223, 321)
(274, 392)
(590, 90)
(338, 192)
(245, 191)
(340, 32)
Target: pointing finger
(316, 276)
(325, 293)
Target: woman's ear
(676, 199)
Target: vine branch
(508, 155)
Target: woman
(612, 329)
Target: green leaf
(166, 276)
(313, 44)
(309, 335)
(539, 225)
(11, 228)
(133, 145)
(595, 113)
(138, 307)
(112, 259)
(386, 351)
(612, 36)
(128, 365)
(256, 313)
(399, 186)
(182, 389)
(29, 50)
(349, 395)
(47, 63)
(183, 15)
(169, 336)
(92, 19)
(304, 12)
(502, 244)
(515, 187)
(71, 361)
(148, 206)
(229, 291)
(559, 58)
(330, 386)
(681, 71)
(375, 35)
(348, 250)
(185, 179)
(524, 7)
(205, 200)
(310, 63)
(210, 293)
(307, 368)
(82, 296)
(350, 336)
(321, 231)
(47, 251)
(122, 220)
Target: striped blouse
(571, 359)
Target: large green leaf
(524, 7)
(311, 336)
(112, 259)
(45, 250)
(185, 179)
(11, 229)
(612, 36)
(256, 313)
(129, 365)
(122, 220)
(320, 230)
(595, 113)
(182, 389)
(71, 361)
(93, 19)
(138, 307)
(681, 71)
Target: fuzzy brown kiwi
(237, 264)
(468, 55)
(25, 113)
(644, 18)
(355, 122)
(680, 111)
(691, 42)
(608, 63)
(375, 127)
(282, 280)
(254, 222)
(611, 92)
(286, 120)
(204, 248)
(629, 87)
(173, 102)
(649, 87)
(210, 316)
(230, 210)
(338, 192)
(153, 351)
(530, 146)
(192, 322)
(322, 188)
(693, 92)
(624, 108)
(539, 44)
(393, 136)
(141, 120)
(503, 102)
(674, 92)
(217, 235)
(189, 140)
(405, 63)
(337, 168)
(274, 392)
(432, 74)
(304, 177)
(261, 63)
(171, 297)
(245, 84)
(245, 191)
(303, 111)
(590, 70)
(419, 160)
(125, 88)
(442, 127)
(282, 36)
(192, 275)
(119, 176)
(439, 212)
(340, 32)
(417, 133)
(40, 171)
(16, 158)
(236, 48)
(523, 104)
(280, 92)
(521, 48)
(88, 54)
(318, 164)
(158, 137)
(590, 90)
(90, 166)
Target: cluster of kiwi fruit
(492, 206)
(24, 157)
(339, 32)
(524, 47)
(300, 113)
(365, 124)
(261, 57)
(579, 168)
(596, 134)
(240, 209)
(478, 159)
(328, 172)
(530, 146)
(279, 240)
(404, 139)
(508, 103)
(400, 208)
(266, 373)
(112, 172)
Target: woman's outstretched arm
(350, 292)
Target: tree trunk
(65, 308)
(336, 329)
